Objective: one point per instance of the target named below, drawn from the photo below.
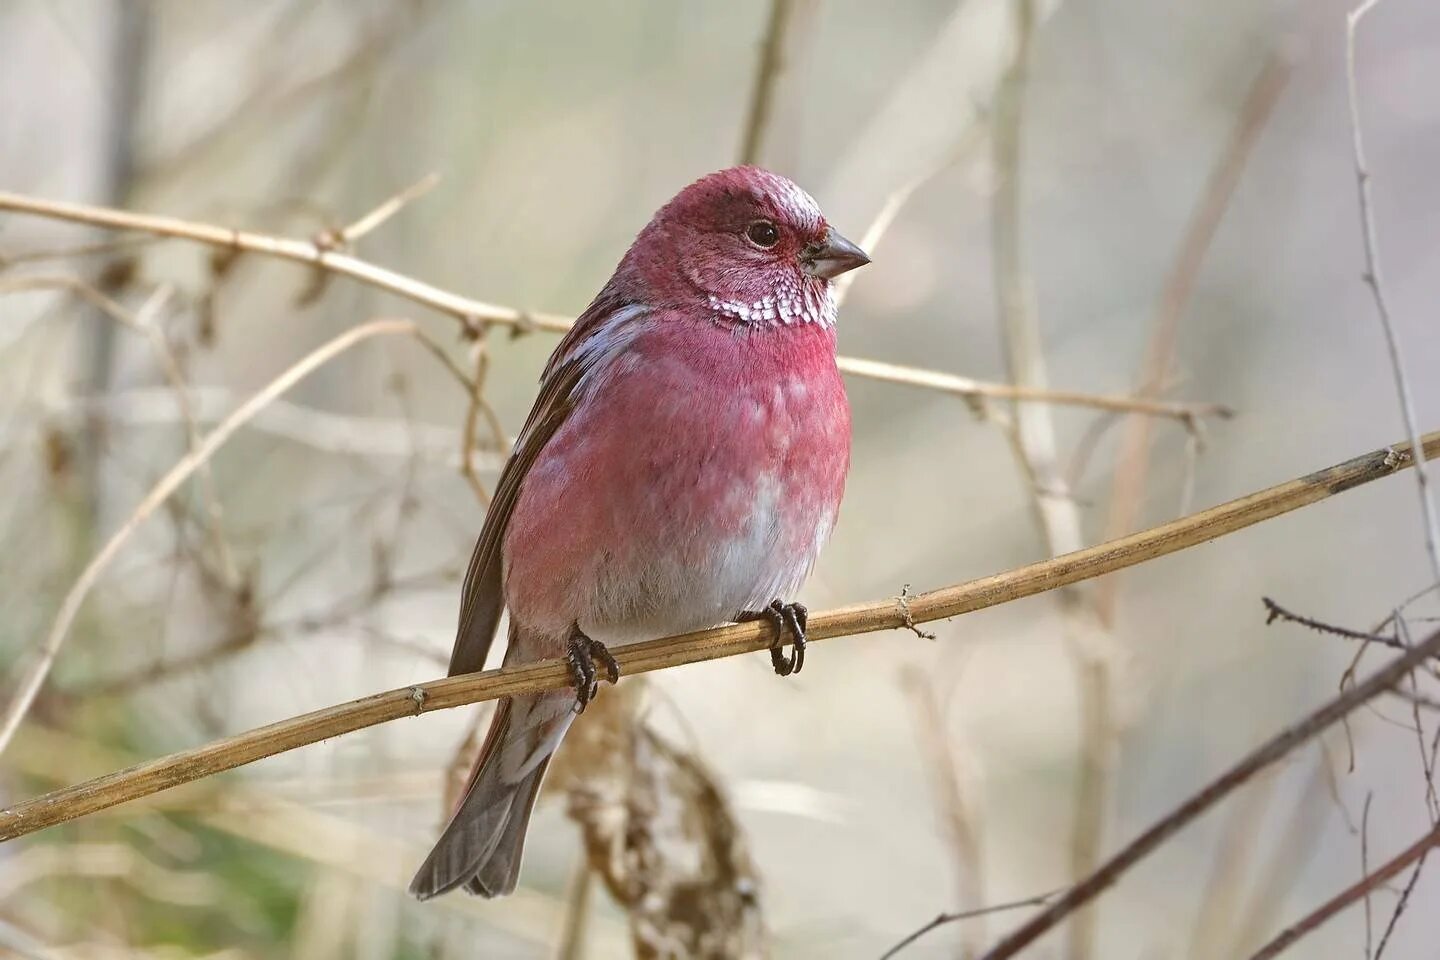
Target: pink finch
(682, 466)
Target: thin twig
(143, 322)
(388, 209)
(944, 918)
(1032, 434)
(298, 251)
(1133, 460)
(897, 199)
(1225, 889)
(1276, 612)
(1356, 891)
(1364, 871)
(904, 600)
(473, 313)
(44, 657)
(1261, 905)
(1417, 701)
(477, 406)
(773, 62)
(1374, 279)
(1404, 900)
(75, 251)
(956, 810)
(1274, 749)
(577, 911)
(322, 430)
(726, 641)
(980, 389)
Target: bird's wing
(482, 598)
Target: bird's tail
(480, 848)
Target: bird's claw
(783, 616)
(584, 654)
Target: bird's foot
(784, 616)
(584, 655)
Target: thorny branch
(156, 775)
(1276, 612)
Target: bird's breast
(699, 476)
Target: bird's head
(749, 246)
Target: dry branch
(1374, 279)
(1273, 750)
(944, 918)
(1031, 430)
(34, 676)
(986, 390)
(1359, 890)
(144, 321)
(1133, 460)
(323, 430)
(284, 248)
(349, 235)
(776, 52)
(890, 614)
(475, 314)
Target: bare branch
(1090, 644)
(577, 911)
(283, 248)
(776, 56)
(475, 313)
(1276, 748)
(1356, 891)
(143, 322)
(944, 918)
(322, 430)
(34, 676)
(1374, 279)
(897, 199)
(1404, 900)
(1365, 869)
(888, 614)
(957, 809)
(1133, 461)
(1277, 612)
(477, 407)
(388, 209)
(983, 390)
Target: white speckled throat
(792, 303)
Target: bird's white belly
(740, 570)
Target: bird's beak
(832, 257)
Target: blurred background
(1164, 188)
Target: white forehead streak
(789, 195)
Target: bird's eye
(763, 234)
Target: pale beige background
(558, 128)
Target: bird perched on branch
(682, 467)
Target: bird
(682, 467)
